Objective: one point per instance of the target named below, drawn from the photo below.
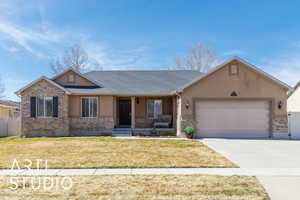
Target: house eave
(122, 95)
(265, 74)
(39, 79)
(78, 73)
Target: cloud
(286, 67)
(9, 47)
(24, 27)
(111, 58)
(44, 40)
(12, 49)
(21, 37)
(37, 42)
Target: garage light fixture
(280, 104)
(187, 105)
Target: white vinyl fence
(10, 127)
(294, 125)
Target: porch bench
(162, 121)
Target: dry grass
(129, 187)
(100, 152)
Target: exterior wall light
(280, 105)
(187, 105)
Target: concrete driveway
(283, 154)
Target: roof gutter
(124, 95)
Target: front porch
(145, 113)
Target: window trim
(154, 99)
(89, 97)
(37, 110)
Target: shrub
(189, 130)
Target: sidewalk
(158, 171)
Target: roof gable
(256, 69)
(40, 79)
(92, 81)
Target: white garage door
(233, 119)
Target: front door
(124, 112)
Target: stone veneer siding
(280, 126)
(51, 127)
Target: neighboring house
(9, 109)
(294, 112)
(236, 99)
(294, 99)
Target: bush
(189, 130)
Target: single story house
(236, 99)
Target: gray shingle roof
(160, 82)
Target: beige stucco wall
(294, 101)
(63, 80)
(58, 126)
(247, 84)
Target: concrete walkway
(264, 172)
(265, 154)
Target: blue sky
(146, 34)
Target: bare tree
(75, 57)
(2, 88)
(200, 58)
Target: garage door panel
(234, 133)
(233, 119)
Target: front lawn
(100, 152)
(197, 187)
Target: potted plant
(189, 131)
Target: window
(89, 107)
(71, 78)
(45, 107)
(154, 108)
(234, 69)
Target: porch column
(132, 112)
(174, 101)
